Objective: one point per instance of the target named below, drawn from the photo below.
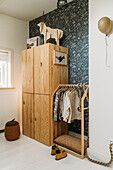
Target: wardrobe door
(59, 73)
(41, 69)
(27, 71)
(27, 115)
(59, 76)
(42, 118)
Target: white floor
(28, 154)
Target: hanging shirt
(72, 96)
(61, 105)
(67, 111)
(55, 114)
(75, 103)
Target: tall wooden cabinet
(40, 77)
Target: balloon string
(106, 42)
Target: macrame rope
(99, 162)
(110, 147)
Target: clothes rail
(82, 155)
(73, 85)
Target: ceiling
(27, 9)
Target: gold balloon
(105, 25)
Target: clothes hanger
(74, 89)
(63, 89)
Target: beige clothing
(75, 103)
(67, 111)
(69, 106)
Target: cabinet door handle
(23, 102)
(35, 118)
(41, 64)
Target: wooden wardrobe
(40, 77)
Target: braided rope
(110, 147)
(102, 163)
(99, 162)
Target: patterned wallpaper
(74, 23)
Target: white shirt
(67, 111)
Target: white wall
(101, 82)
(13, 34)
(8, 106)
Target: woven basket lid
(12, 123)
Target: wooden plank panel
(37, 104)
(41, 69)
(59, 128)
(27, 71)
(59, 73)
(28, 115)
(42, 118)
(63, 75)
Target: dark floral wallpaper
(74, 23)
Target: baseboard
(2, 130)
(97, 156)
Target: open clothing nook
(78, 95)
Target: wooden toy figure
(50, 33)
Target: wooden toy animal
(50, 33)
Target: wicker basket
(12, 130)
